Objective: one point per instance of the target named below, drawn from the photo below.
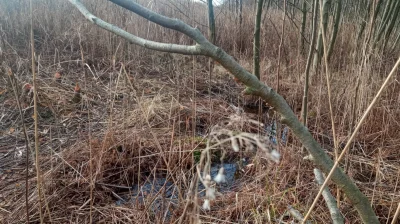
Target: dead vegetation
(144, 114)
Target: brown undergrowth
(145, 114)
(123, 143)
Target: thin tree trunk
(212, 37)
(364, 21)
(211, 22)
(303, 26)
(385, 20)
(240, 12)
(338, 15)
(390, 27)
(325, 16)
(308, 66)
(280, 48)
(372, 24)
(240, 26)
(256, 45)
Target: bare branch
(172, 48)
(296, 214)
(174, 24)
(337, 217)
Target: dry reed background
(167, 96)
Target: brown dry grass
(152, 118)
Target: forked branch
(254, 86)
(172, 48)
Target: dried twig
(35, 115)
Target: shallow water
(169, 192)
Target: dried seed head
(275, 156)
(207, 181)
(206, 205)
(210, 193)
(220, 178)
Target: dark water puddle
(158, 193)
(166, 192)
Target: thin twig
(35, 115)
(89, 133)
(396, 215)
(281, 46)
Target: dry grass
(152, 119)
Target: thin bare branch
(396, 215)
(174, 24)
(35, 115)
(295, 213)
(172, 48)
(337, 217)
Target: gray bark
(336, 216)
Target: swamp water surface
(158, 193)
